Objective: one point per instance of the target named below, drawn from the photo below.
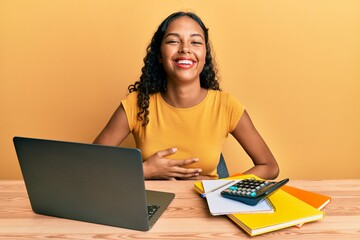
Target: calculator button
(251, 191)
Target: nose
(184, 48)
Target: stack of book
(289, 206)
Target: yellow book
(289, 211)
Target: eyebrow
(178, 35)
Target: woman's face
(183, 50)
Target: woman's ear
(159, 58)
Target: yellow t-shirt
(196, 132)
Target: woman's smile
(185, 63)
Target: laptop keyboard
(151, 210)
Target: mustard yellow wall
(295, 65)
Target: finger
(200, 177)
(180, 171)
(166, 152)
(184, 162)
(185, 175)
(185, 171)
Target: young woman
(177, 113)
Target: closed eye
(172, 41)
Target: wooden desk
(186, 218)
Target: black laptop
(88, 182)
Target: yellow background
(295, 65)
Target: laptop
(88, 182)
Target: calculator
(251, 191)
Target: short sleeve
(130, 106)
(235, 111)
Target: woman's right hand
(159, 167)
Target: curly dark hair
(153, 77)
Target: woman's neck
(184, 96)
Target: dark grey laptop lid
(87, 182)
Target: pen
(217, 188)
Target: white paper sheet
(219, 205)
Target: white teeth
(188, 62)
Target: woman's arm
(116, 130)
(246, 134)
